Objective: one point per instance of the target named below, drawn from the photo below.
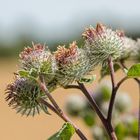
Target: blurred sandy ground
(40, 127)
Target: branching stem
(56, 109)
(95, 107)
(106, 121)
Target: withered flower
(72, 63)
(38, 60)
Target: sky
(53, 19)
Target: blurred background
(54, 22)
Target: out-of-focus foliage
(124, 118)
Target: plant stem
(120, 82)
(95, 107)
(112, 100)
(51, 107)
(115, 88)
(106, 122)
(111, 67)
(91, 101)
(113, 95)
(64, 117)
(55, 108)
(72, 86)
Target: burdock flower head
(23, 96)
(129, 46)
(101, 43)
(72, 63)
(135, 55)
(32, 57)
(38, 60)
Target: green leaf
(33, 73)
(65, 133)
(23, 73)
(134, 71)
(54, 137)
(88, 79)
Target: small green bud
(103, 92)
(97, 133)
(128, 120)
(131, 122)
(104, 107)
(123, 102)
(121, 131)
(89, 117)
(75, 104)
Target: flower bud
(104, 107)
(23, 96)
(72, 64)
(102, 43)
(123, 102)
(98, 133)
(131, 122)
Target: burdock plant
(72, 62)
(42, 71)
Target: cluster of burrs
(65, 66)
